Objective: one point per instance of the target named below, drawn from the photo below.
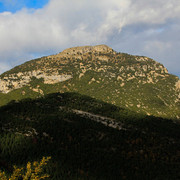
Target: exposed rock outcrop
(81, 50)
(15, 81)
(178, 85)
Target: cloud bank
(149, 28)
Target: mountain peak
(82, 50)
(85, 49)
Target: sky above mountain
(15, 5)
(34, 28)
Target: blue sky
(15, 5)
(30, 29)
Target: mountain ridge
(123, 79)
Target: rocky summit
(137, 83)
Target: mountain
(99, 115)
(137, 83)
(88, 139)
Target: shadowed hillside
(88, 139)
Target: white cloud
(61, 24)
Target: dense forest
(80, 147)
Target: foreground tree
(33, 171)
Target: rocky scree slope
(137, 83)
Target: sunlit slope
(135, 82)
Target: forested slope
(136, 146)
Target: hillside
(88, 139)
(137, 83)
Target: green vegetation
(158, 99)
(145, 148)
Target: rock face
(178, 85)
(135, 82)
(86, 49)
(15, 81)
(80, 52)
